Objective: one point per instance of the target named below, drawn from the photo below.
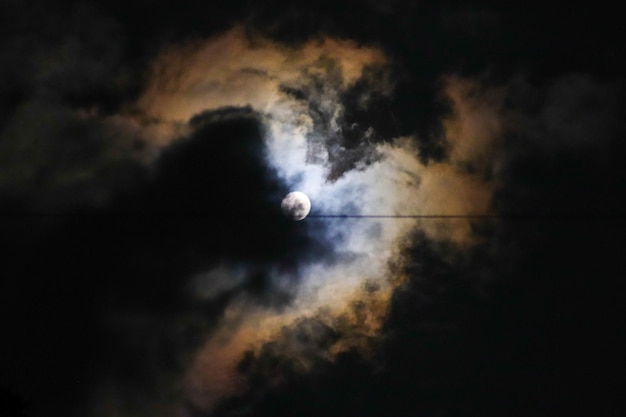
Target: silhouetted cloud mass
(148, 269)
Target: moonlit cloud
(150, 272)
(298, 92)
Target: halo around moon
(296, 205)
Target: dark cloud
(218, 179)
(515, 326)
(70, 55)
(564, 153)
(526, 322)
(54, 159)
(519, 325)
(573, 112)
(61, 70)
(347, 123)
(428, 39)
(105, 286)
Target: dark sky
(124, 257)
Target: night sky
(147, 269)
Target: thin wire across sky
(467, 216)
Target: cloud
(191, 305)
(224, 128)
(313, 101)
(62, 75)
(574, 112)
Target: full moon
(296, 205)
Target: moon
(296, 205)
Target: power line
(121, 215)
(469, 216)
(400, 216)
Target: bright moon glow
(296, 205)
